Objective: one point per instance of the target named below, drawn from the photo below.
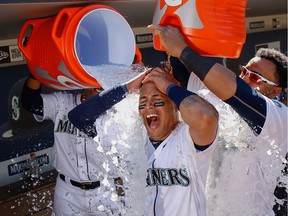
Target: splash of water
(122, 137)
(110, 75)
(234, 186)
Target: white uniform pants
(70, 201)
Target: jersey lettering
(65, 126)
(167, 177)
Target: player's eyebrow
(154, 96)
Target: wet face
(159, 113)
(267, 70)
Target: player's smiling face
(159, 113)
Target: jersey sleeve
(275, 126)
(51, 104)
(195, 84)
(187, 139)
(201, 159)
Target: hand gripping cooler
(58, 47)
(210, 27)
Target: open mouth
(153, 121)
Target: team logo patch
(278, 103)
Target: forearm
(84, 115)
(218, 79)
(202, 119)
(200, 115)
(250, 105)
(190, 104)
(31, 96)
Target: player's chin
(153, 134)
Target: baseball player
(255, 165)
(78, 188)
(178, 153)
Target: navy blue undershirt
(85, 114)
(31, 100)
(250, 105)
(156, 144)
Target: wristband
(196, 63)
(177, 94)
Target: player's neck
(156, 143)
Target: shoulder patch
(279, 104)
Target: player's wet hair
(280, 60)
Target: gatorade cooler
(58, 47)
(210, 27)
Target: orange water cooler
(57, 48)
(211, 27)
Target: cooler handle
(23, 42)
(60, 25)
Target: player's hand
(170, 37)
(32, 82)
(161, 77)
(136, 82)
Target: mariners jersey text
(167, 177)
(65, 126)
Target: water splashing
(110, 75)
(242, 166)
(122, 138)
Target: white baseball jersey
(76, 154)
(79, 158)
(249, 164)
(176, 176)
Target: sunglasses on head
(255, 76)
